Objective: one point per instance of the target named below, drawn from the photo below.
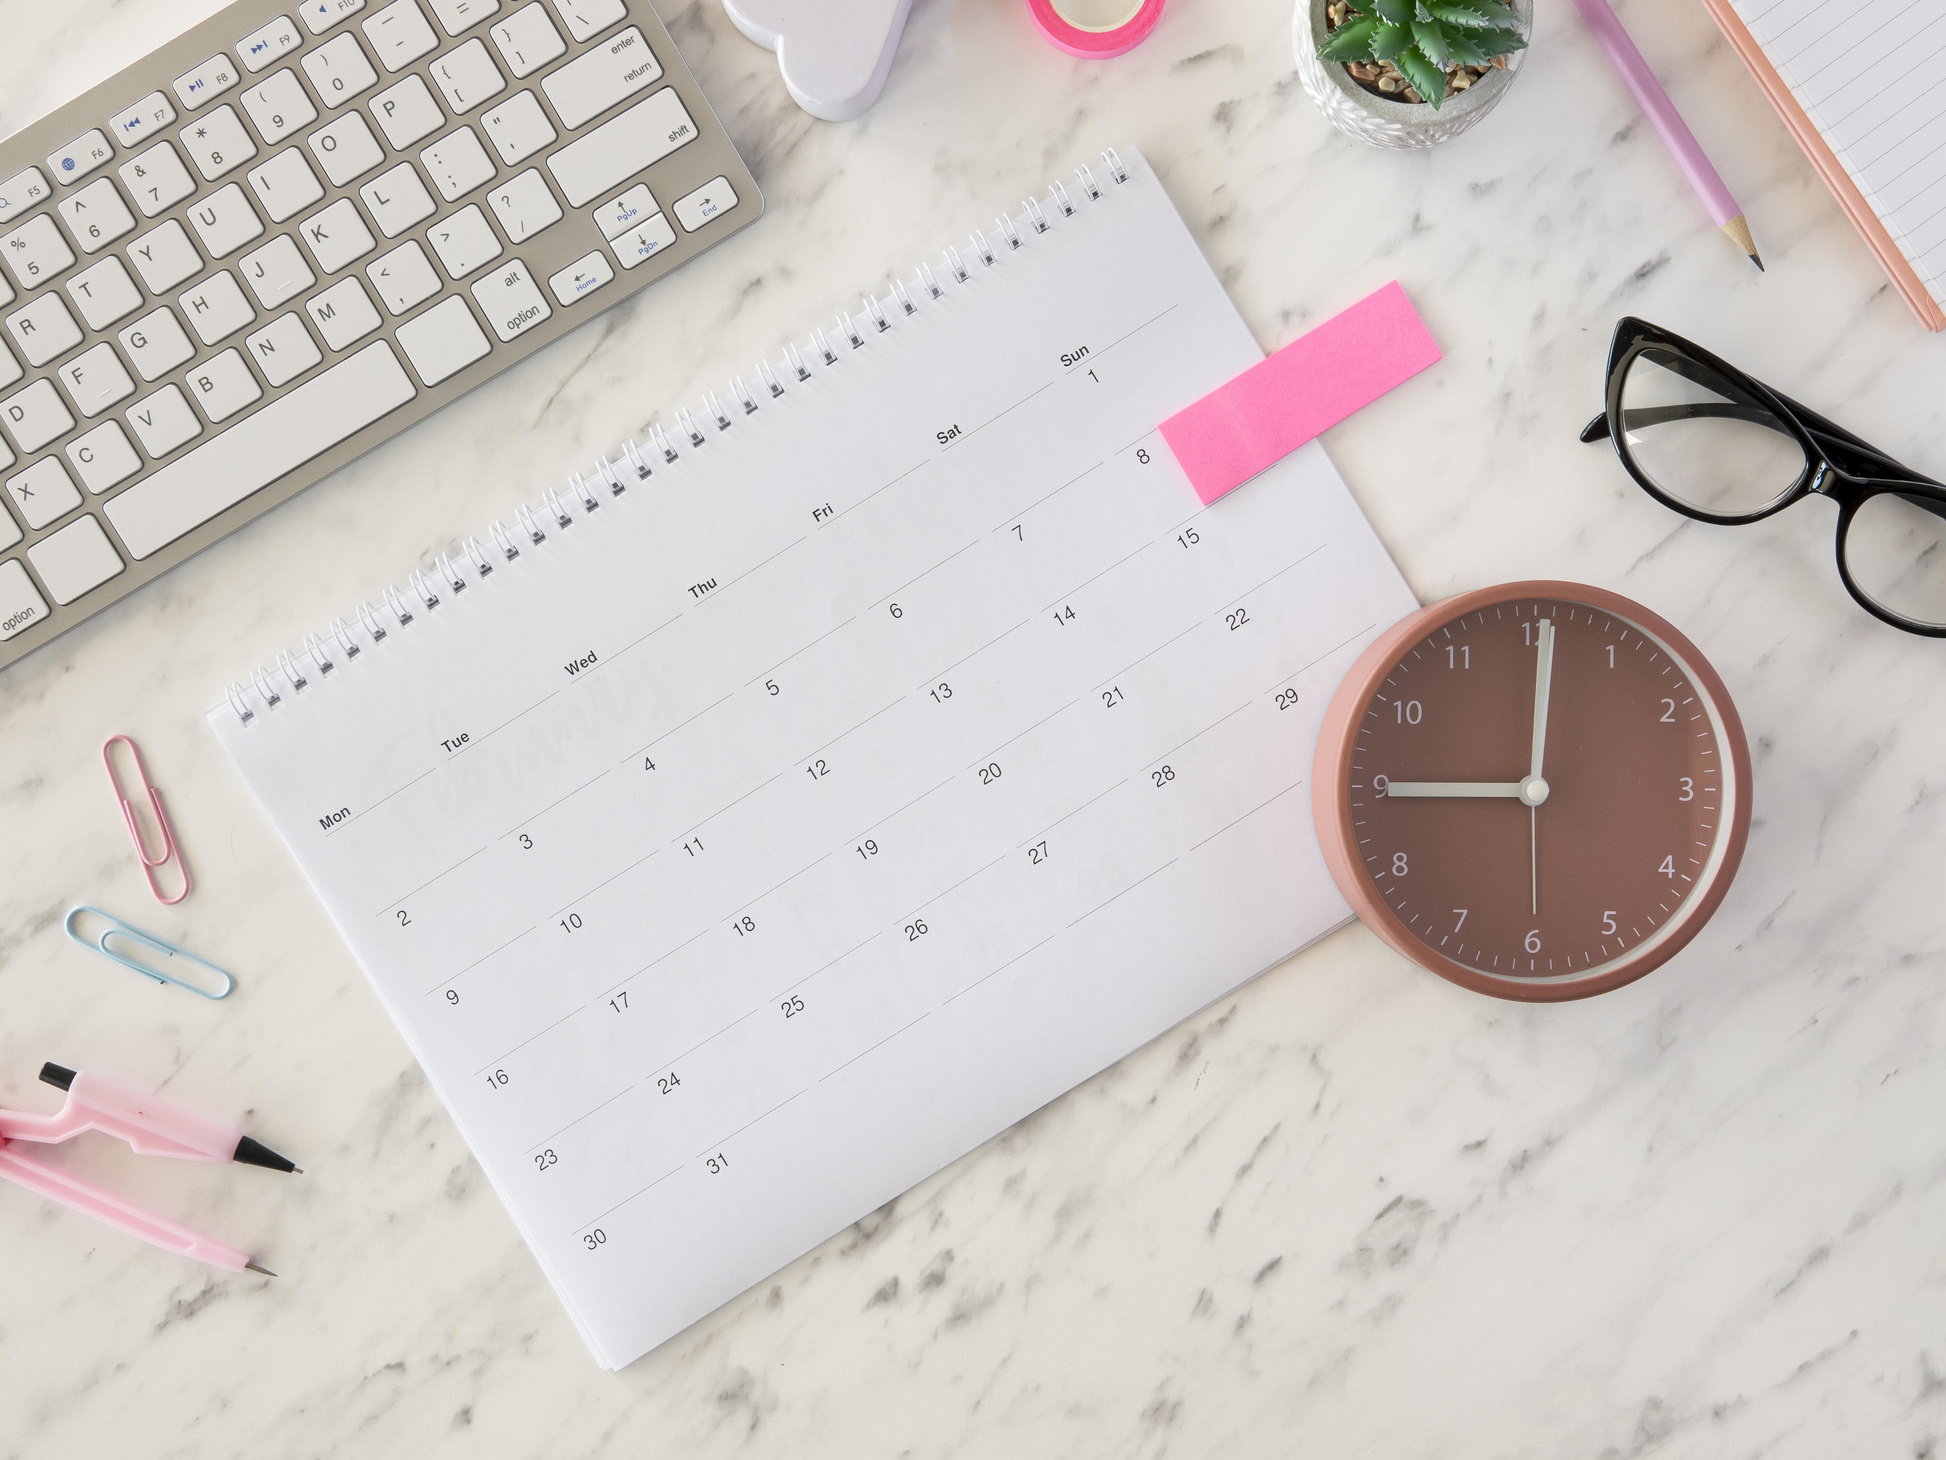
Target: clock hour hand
(1453, 788)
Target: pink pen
(153, 1129)
(1724, 210)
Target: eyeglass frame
(1837, 464)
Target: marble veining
(1349, 1210)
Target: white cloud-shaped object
(834, 54)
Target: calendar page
(852, 785)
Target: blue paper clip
(147, 940)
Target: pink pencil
(1723, 209)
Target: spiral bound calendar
(804, 795)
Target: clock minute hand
(1454, 788)
(1543, 685)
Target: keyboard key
(346, 149)
(399, 34)
(467, 76)
(218, 143)
(75, 559)
(198, 87)
(223, 385)
(589, 85)
(641, 244)
(404, 277)
(148, 115)
(518, 128)
(44, 493)
(343, 313)
(35, 252)
(279, 105)
(216, 308)
(163, 422)
(320, 16)
(164, 257)
(621, 147)
(283, 349)
(457, 163)
(35, 416)
(307, 421)
(464, 242)
(626, 213)
(44, 330)
(511, 301)
(156, 343)
(103, 458)
(524, 206)
(20, 606)
(285, 185)
(589, 17)
(528, 40)
(276, 271)
(442, 341)
(407, 112)
(693, 210)
(21, 191)
(225, 221)
(457, 15)
(96, 216)
(339, 71)
(104, 293)
(10, 371)
(263, 46)
(337, 236)
(581, 278)
(397, 199)
(157, 179)
(79, 158)
(95, 380)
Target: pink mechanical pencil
(1724, 210)
(153, 1129)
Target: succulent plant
(1421, 38)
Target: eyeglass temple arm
(1834, 439)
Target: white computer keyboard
(297, 229)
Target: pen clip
(170, 851)
(118, 928)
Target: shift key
(647, 132)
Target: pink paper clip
(170, 852)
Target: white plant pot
(1382, 122)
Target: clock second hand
(1533, 790)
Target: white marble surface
(1351, 1210)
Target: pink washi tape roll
(1096, 43)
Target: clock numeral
(1462, 659)
(1462, 919)
(1668, 713)
(1532, 943)
(1408, 711)
(1379, 783)
(1399, 864)
(1611, 656)
(1608, 928)
(1688, 790)
(1668, 867)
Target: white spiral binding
(477, 557)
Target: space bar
(260, 448)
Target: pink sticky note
(1314, 382)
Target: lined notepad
(1862, 83)
(907, 745)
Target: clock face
(1541, 796)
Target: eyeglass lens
(1704, 440)
(1895, 550)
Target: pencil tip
(1759, 263)
(264, 1270)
